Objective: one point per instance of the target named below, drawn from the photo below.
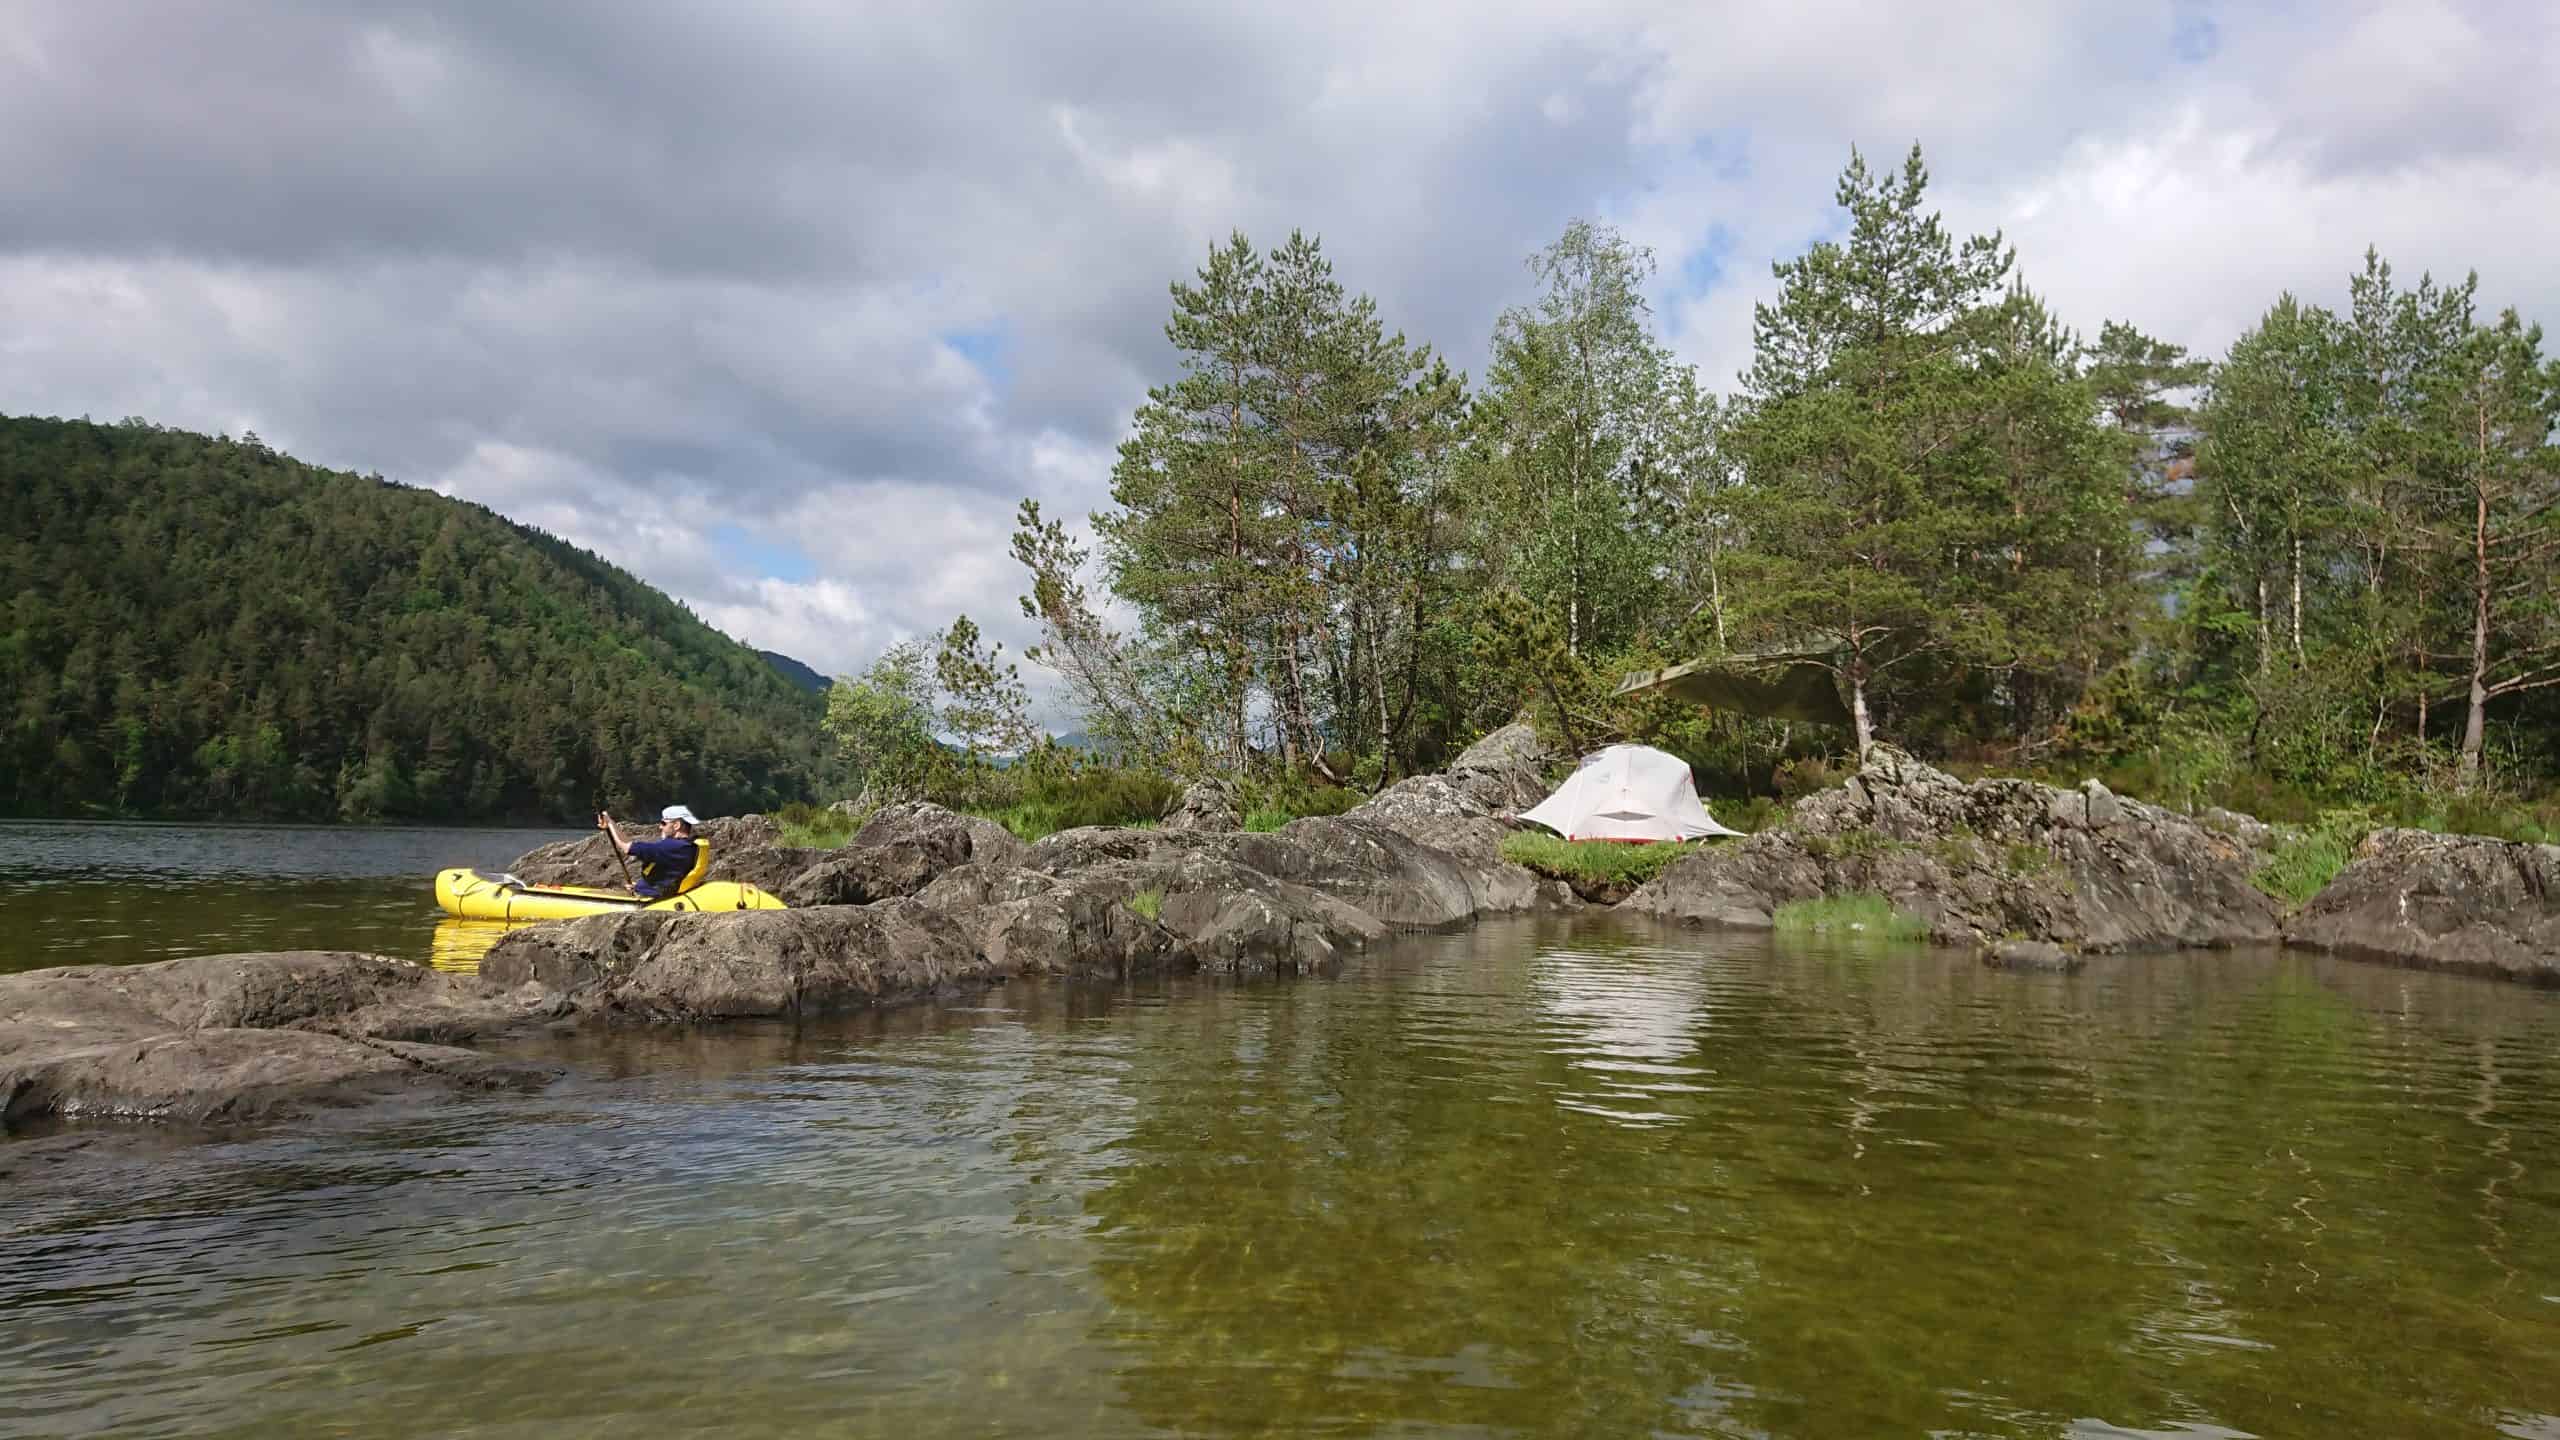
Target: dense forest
(2315, 573)
(202, 627)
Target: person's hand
(604, 820)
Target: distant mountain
(804, 676)
(192, 626)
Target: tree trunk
(2265, 639)
(2475, 724)
(1378, 687)
(2297, 597)
(1858, 711)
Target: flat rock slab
(236, 1037)
(2465, 903)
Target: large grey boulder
(1363, 864)
(1211, 803)
(924, 824)
(1505, 771)
(2085, 868)
(1233, 903)
(1466, 811)
(667, 966)
(2466, 903)
(900, 851)
(236, 1037)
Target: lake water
(118, 893)
(1535, 1179)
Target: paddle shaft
(618, 857)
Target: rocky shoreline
(925, 902)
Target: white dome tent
(1627, 792)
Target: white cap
(678, 812)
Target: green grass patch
(2025, 859)
(1264, 821)
(810, 828)
(1863, 843)
(1149, 903)
(2307, 858)
(1595, 862)
(1859, 913)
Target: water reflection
(459, 945)
(1631, 1023)
(1528, 1180)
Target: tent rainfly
(1627, 792)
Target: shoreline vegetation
(926, 902)
(2297, 582)
(1863, 912)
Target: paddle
(604, 828)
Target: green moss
(1595, 862)
(1860, 912)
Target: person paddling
(666, 862)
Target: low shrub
(1860, 912)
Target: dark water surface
(120, 893)
(1535, 1179)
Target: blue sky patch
(755, 557)
(985, 348)
(2193, 37)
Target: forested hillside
(201, 627)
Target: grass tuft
(1593, 862)
(2305, 860)
(1149, 903)
(810, 828)
(1862, 912)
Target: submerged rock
(2442, 902)
(2082, 868)
(2037, 955)
(237, 1037)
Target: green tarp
(1781, 687)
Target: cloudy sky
(784, 305)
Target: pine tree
(2493, 407)
(1865, 493)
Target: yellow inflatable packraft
(471, 895)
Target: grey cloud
(634, 268)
